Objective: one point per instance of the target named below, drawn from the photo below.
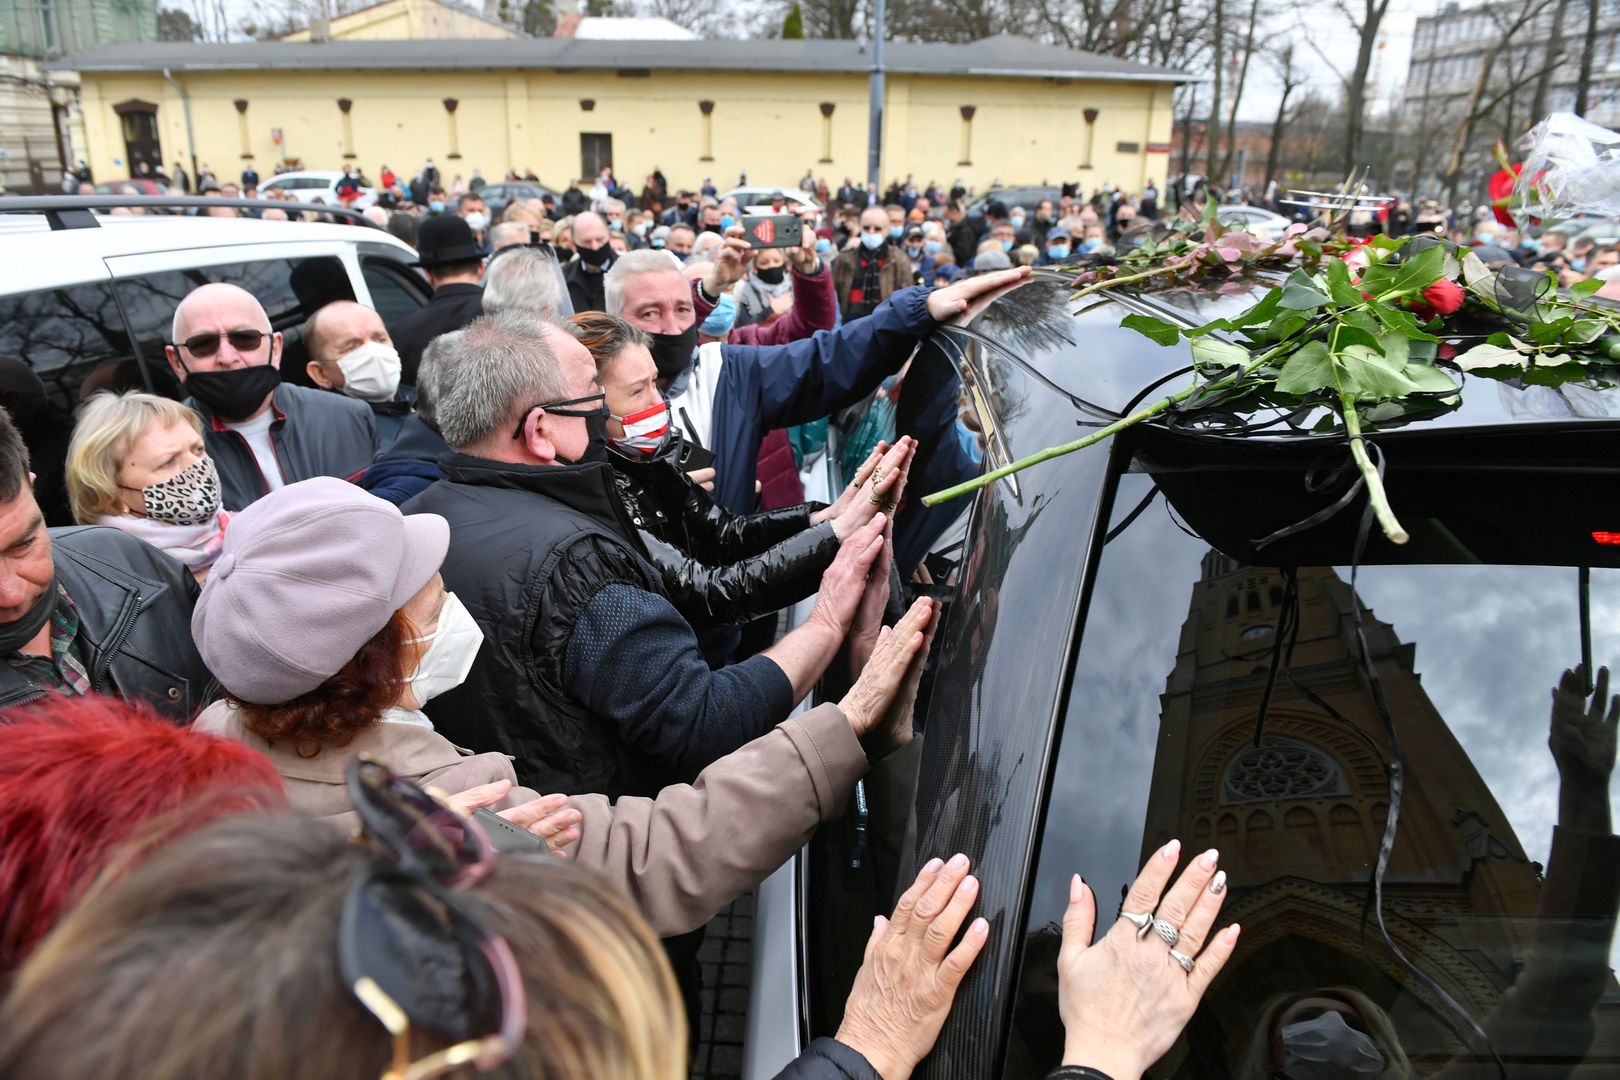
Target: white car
(1253, 219)
(312, 184)
(87, 301)
(758, 198)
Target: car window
(395, 292)
(290, 290)
(68, 336)
(1501, 888)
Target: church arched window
(1281, 768)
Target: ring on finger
(875, 499)
(1143, 923)
(1167, 933)
(1184, 960)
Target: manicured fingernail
(959, 861)
(979, 927)
(1077, 889)
(1218, 886)
(932, 866)
(1169, 850)
(969, 883)
(1232, 933)
(1209, 858)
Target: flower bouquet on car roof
(1375, 332)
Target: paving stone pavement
(727, 959)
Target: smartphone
(510, 839)
(774, 231)
(694, 456)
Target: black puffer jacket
(530, 546)
(720, 568)
(134, 605)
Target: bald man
(351, 353)
(593, 257)
(261, 433)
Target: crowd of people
(302, 709)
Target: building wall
(58, 27)
(1023, 130)
(409, 20)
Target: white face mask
(451, 650)
(477, 222)
(1327, 1048)
(371, 372)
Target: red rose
(1500, 187)
(1444, 296)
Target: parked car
(90, 307)
(1120, 662)
(1255, 219)
(759, 198)
(1027, 196)
(498, 196)
(311, 184)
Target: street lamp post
(874, 129)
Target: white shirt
(691, 397)
(257, 434)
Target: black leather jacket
(134, 605)
(720, 568)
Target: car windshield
(1254, 701)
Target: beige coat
(681, 856)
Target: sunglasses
(409, 950)
(208, 344)
(556, 408)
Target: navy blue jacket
(409, 466)
(764, 387)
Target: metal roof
(1004, 55)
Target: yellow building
(1002, 108)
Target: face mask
(477, 222)
(436, 206)
(771, 275)
(1006, 245)
(233, 394)
(932, 246)
(896, 231)
(451, 650)
(1058, 251)
(672, 353)
(1017, 221)
(872, 240)
(1577, 265)
(371, 372)
(1327, 1048)
(13, 636)
(823, 245)
(616, 225)
(1484, 239)
(913, 251)
(596, 449)
(721, 318)
(657, 243)
(595, 256)
(727, 221)
(1090, 244)
(711, 228)
(645, 432)
(189, 497)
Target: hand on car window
(1125, 999)
(911, 971)
(843, 583)
(876, 488)
(887, 672)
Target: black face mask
(712, 228)
(233, 394)
(13, 636)
(771, 275)
(598, 448)
(672, 353)
(595, 256)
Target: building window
(1281, 768)
(50, 36)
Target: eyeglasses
(208, 344)
(555, 408)
(409, 951)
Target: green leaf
(1585, 288)
(1489, 355)
(1260, 313)
(1429, 379)
(1421, 350)
(1283, 327)
(1215, 353)
(1310, 368)
(1344, 294)
(1338, 273)
(1373, 373)
(1549, 333)
(1300, 293)
(1154, 329)
(1413, 274)
(1402, 321)
(1396, 349)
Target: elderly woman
(329, 628)
(136, 462)
(767, 291)
(720, 567)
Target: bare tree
(1237, 90)
(1583, 87)
(1283, 63)
(1218, 44)
(1365, 17)
(1554, 58)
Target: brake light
(1607, 537)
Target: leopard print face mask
(189, 497)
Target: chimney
(567, 25)
(320, 29)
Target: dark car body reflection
(1095, 689)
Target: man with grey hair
(588, 676)
(593, 258)
(508, 234)
(525, 279)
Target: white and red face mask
(644, 431)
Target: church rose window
(1281, 768)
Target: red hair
(81, 776)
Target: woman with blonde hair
(137, 463)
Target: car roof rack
(78, 211)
